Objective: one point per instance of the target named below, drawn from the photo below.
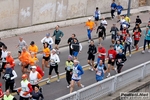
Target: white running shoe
(19, 63)
(58, 80)
(92, 69)
(129, 55)
(82, 85)
(143, 51)
(115, 70)
(89, 41)
(48, 81)
(108, 75)
(68, 86)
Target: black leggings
(22, 98)
(55, 68)
(125, 48)
(119, 67)
(68, 77)
(112, 13)
(146, 42)
(9, 85)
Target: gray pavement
(79, 30)
(55, 90)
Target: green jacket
(58, 34)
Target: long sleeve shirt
(58, 34)
(49, 40)
(37, 95)
(14, 75)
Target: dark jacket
(114, 30)
(138, 21)
(122, 57)
(76, 46)
(92, 49)
(70, 40)
(101, 30)
(37, 95)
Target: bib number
(99, 73)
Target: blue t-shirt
(113, 6)
(119, 8)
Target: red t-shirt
(101, 50)
(137, 35)
(38, 69)
(1, 93)
(112, 54)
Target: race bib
(24, 89)
(68, 68)
(7, 76)
(99, 55)
(137, 36)
(110, 56)
(113, 32)
(32, 81)
(99, 73)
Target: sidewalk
(79, 30)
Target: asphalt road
(55, 89)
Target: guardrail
(111, 84)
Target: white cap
(89, 18)
(33, 67)
(54, 50)
(76, 61)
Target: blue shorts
(75, 54)
(75, 80)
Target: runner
(70, 41)
(76, 76)
(10, 60)
(69, 68)
(34, 77)
(33, 60)
(76, 48)
(146, 39)
(137, 27)
(101, 32)
(1, 92)
(113, 8)
(124, 23)
(118, 46)
(120, 59)
(128, 43)
(22, 43)
(91, 55)
(124, 32)
(113, 32)
(8, 96)
(54, 60)
(104, 23)
(58, 35)
(46, 56)
(111, 59)
(138, 21)
(136, 36)
(36, 94)
(49, 40)
(127, 19)
(119, 9)
(119, 37)
(99, 71)
(3, 57)
(33, 48)
(25, 89)
(90, 26)
(1, 46)
(9, 77)
(24, 58)
(97, 15)
(101, 54)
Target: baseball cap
(33, 67)
(47, 34)
(89, 18)
(32, 42)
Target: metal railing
(111, 84)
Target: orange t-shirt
(46, 52)
(33, 48)
(24, 57)
(11, 61)
(33, 61)
(90, 24)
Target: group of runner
(32, 73)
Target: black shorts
(57, 42)
(27, 66)
(110, 62)
(55, 68)
(136, 42)
(113, 37)
(118, 13)
(96, 18)
(100, 34)
(91, 57)
(46, 58)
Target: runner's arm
(57, 59)
(52, 42)
(15, 75)
(80, 47)
(42, 41)
(81, 70)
